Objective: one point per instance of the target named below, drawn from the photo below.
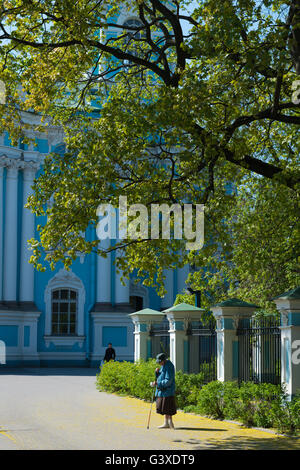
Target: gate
(259, 351)
(203, 350)
(160, 338)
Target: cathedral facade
(60, 318)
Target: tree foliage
(197, 97)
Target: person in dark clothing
(110, 353)
(165, 390)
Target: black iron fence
(203, 350)
(259, 350)
(160, 338)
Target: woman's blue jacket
(166, 380)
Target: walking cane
(156, 374)
(151, 408)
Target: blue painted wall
(9, 334)
(117, 335)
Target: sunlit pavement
(62, 409)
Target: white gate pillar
(228, 314)
(180, 316)
(143, 319)
(288, 305)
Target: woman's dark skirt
(166, 406)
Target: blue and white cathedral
(61, 318)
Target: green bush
(216, 399)
(255, 403)
(286, 415)
(262, 405)
(187, 389)
(126, 378)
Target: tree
(188, 113)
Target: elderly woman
(165, 390)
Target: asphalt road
(61, 409)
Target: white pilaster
(142, 321)
(288, 305)
(27, 270)
(228, 314)
(104, 275)
(121, 292)
(10, 235)
(180, 316)
(1, 229)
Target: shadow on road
(199, 429)
(39, 371)
(246, 443)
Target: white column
(168, 300)
(178, 340)
(104, 275)
(10, 235)
(288, 305)
(142, 325)
(140, 344)
(1, 228)
(27, 270)
(228, 314)
(121, 292)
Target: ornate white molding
(55, 136)
(64, 340)
(136, 326)
(284, 318)
(13, 165)
(65, 280)
(172, 324)
(186, 323)
(30, 169)
(236, 322)
(10, 152)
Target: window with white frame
(64, 309)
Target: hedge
(262, 405)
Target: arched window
(132, 38)
(133, 23)
(64, 307)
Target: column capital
(147, 316)
(5, 161)
(229, 312)
(29, 170)
(288, 304)
(13, 166)
(181, 315)
(143, 320)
